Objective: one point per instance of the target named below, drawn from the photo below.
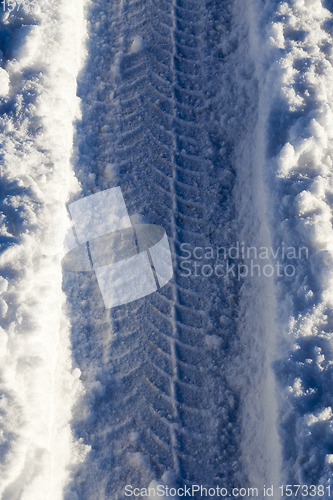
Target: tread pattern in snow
(157, 396)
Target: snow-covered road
(215, 120)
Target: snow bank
(293, 49)
(39, 59)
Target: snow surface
(295, 74)
(40, 58)
(215, 120)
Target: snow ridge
(295, 76)
(38, 105)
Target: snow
(39, 63)
(4, 82)
(137, 44)
(214, 122)
(294, 69)
(99, 214)
(158, 490)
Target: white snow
(293, 50)
(99, 214)
(280, 123)
(38, 388)
(137, 44)
(164, 488)
(4, 82)
(158, 490)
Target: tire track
(156, 122)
